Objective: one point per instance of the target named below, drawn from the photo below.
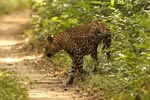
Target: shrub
(122, 77)
(7, 6)
(10, 88)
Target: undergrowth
(7, 6)
(10, 88)
(126, 75)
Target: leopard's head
(51, 48)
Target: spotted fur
(78, 42)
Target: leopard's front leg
(71, 75)
(77, 67)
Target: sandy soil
(34, 71)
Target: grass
(10, 88)
(7, 6)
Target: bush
(7, 6)
(10, 89)
(122, 77)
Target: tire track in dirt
(34, 71)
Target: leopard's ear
(50, 38)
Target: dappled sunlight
(10, 42)
(6, 26)
(5, 47)
(13, 22)
(14, 60)
(6, 44)
(45, 94)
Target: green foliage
(126, 75)
(53, 16)
(7, 6)
(10, 89)
(62, 59)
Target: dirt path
(34, 71)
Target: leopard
(79, 41)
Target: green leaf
(56, 19)
(46, 22)
(112, 2)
